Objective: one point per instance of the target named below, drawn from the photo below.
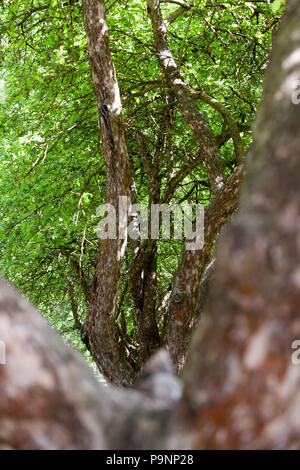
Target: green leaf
(277, 4)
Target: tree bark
(107, 349)
(143, 270)
(51, 400)
(242, 388)
(182, 309)
(184, 96)
(74, 304)
(183, 302)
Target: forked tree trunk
(107, 349)
(241, 388)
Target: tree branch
(188, 106)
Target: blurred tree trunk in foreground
(241, 389)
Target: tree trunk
(242, 388)
(183, 302)
(51, 400)
(188, 106)
(107, 349)
(182, 309)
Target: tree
(186, 121)
(241, 388)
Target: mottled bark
(51, 400)
(144, 285)
(183, 302)
(106, 347)
(48, 398)
(74, 304)
(243, 390)
(181, 314)
(205, 281)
